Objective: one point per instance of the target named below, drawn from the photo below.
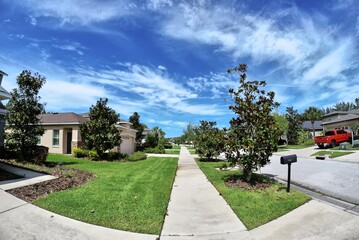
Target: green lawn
(173, 151)
(350, 148)
(254, 208)
(332, 154)
(131, 196)
(284, 147)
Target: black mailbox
(288, 159)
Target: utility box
(356, 143)
(344, 146)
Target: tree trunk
(313, 130)
(247, 174)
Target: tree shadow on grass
(211, 160)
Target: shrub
(5, 153)
(41, 153)
(80, 153)
(93, 155)
(136, 156)
(309, 142)
(168, 146)
(159, 149)
(114, 156)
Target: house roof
(4, 94)
(62, 118)
(308, 125)
(343, 118)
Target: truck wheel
(320, 145)
(334, 143)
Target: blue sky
(167, 59)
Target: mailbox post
(289, 159)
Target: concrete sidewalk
(196, 210)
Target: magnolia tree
(209, 140)
(22, 118)
(253, 133)
(100, 133)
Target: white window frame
(56, 137)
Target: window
(55, 137)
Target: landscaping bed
(255, 204)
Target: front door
(69, 141)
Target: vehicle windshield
(329, 133)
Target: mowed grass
(131, 196)
(284, 147)
(253, 207)
(332, 154)
(173, 151)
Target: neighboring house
(318, 128)
(62, 133)
(3, 96)
(341, 120)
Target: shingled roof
(62, 118)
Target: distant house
(62, 133)
(3, 96)
(341, 120)
(318, 128)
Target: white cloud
(151, 85)
(6, 20)
(160, 67)
(74, 46)
(82, 12)
(167, 122)
(32, 20)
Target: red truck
(332, 138)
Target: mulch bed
(67, 178)
(4, 175)
(254, 184)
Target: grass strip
(284, 147)
(253, 207)
(332, 154)
(131, 196)
(173, 151)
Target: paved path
(337, 179)
(196, 210)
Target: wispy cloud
(74, 46)
(79, 12)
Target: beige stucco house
(341, 120)
(3, 96)
(62, 133)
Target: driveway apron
(196, 209)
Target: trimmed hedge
(136, 156)
(159, 149)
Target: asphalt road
(336, 179)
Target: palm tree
(312, 114)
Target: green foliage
(303, 136)
(135, 120)
(168, 146)
(309, 142)
(189, 134)
(22, 117)
(312, 114)
(253, 134)
(100, 133)
(294, 125)
(136, 156)
(114, 156)
(154, 137)
(159, 149)
(80, 153)
(209, 141)
(282, 123)
(93, 155)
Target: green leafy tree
(23, 109)
(135, 120)
(253, 133)
(155, 137)
(209, 141)
(189, 134)
(100, 132)
(281, 122)
(294, 125)
(312, 114)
